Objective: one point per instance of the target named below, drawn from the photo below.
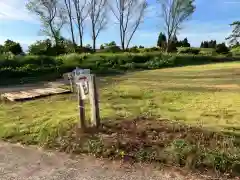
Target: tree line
(81, 15)
(96, 15)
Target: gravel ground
(28, 163)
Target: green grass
(206, 95)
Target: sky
(211, 20)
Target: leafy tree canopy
(13, 47)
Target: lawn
(206, 95)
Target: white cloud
(23, 40)
(15, 10)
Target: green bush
(188, 50)
(236, 51)
(32, 66)
(222, 49)
(133, 49)
(110, 49)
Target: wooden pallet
(33, 93)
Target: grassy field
(206, 95)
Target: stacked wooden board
(33, 93)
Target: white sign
(81, 78)
(78, 74)
(83, 84)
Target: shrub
(236, 51)
(152, 49)
(208, 51)
(161, 61)
(222, 49)
(188, 50)
(86, 49)
(111, 49)
(133, 49)
(25, 66)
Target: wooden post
(82, 124)
(93, 95)
(70, 77)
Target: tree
(89, 46)
(129, 14)
(235, 35)
(50, 13)
(41, 48)
(81, 15)
(66, 46)
(113, 43)
(204, 44)
(185, 43)
(162, 40)
(209, 44)
(222, 48)
(68, 9)
(98, 17)
(175, 13)
(1, 49)
(102, 46)
(212, 44)
(13, 47)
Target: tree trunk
(168, 46)
(123, 45)
(71, 23)
(94, 44)
(80, 37)
(94, 38)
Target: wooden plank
(34, 93)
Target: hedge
(35, 66)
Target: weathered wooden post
(94, 101)
(87, 88)
(70, 77)
(81, 105)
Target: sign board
(77, 73)
(81, 78)
(83, 84)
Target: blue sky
(210, 21)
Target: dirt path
(27, 163)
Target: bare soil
(151, 140)
(28, 163)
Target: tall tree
(13, 47)
(129, 14)
(162, 39)
(68, 8)
(175, 13)
(98, 17)
(41, 48)
(185, 43)
(205, 44)
(81, 15)
(235, 35)
(51, 16)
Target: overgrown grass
(205, 96)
